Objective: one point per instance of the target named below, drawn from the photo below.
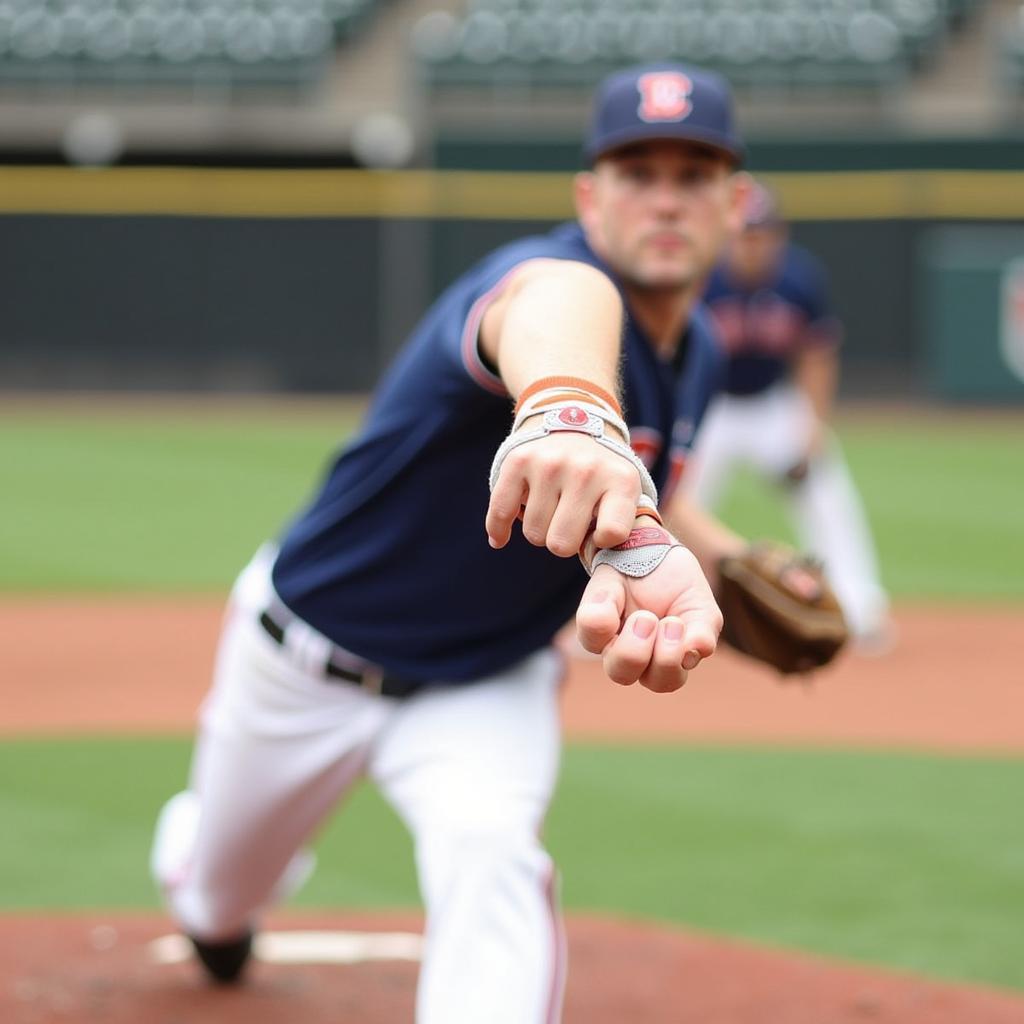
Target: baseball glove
(779, 608)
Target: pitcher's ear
(742, 189)
(584, 185)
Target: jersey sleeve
(822, 328)
(469, 356)
(475, 291)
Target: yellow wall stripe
(472, 195)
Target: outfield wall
(305, 279)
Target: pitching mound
(124, 969)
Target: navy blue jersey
(765, 326)
(391, 560)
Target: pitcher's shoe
(224, 960)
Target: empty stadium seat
(168, 41)
(1012, 63)
(803, 42)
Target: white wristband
(577, 418)
(646, 548)
(538, 405)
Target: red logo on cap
(664, 96)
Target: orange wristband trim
(563, 396)
(569, 382)
(652, 512)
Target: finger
(569, 523)
(666, 673)
(615, 517)
(626, 658)
(700, 637)
(599, 615)
(540, 505)
(506, 500)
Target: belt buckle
(373, 679)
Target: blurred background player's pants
(768, 432)
(469, 769)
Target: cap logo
(664, 96)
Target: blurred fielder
(400, 628)
(769, 302)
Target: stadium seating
(192, 42)
(1012, 65)
(814, 43)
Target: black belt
(370, 679)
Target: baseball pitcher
(517, 467)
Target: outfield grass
(168, 501)
(909, 860)
(177, 501)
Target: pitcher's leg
(471, 771)
(277, 748)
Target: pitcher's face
(661, 213)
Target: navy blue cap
(663, 101)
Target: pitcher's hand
(651, 629)
(562, 483)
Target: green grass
(176, 500)
(164, 502)
(911, 861)
(907, 860)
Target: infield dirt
(98, 969)
(142, 666)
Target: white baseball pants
(469, 769)
(768, 432)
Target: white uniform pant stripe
(561, 957)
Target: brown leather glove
(779, 608)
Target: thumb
(599, 615)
